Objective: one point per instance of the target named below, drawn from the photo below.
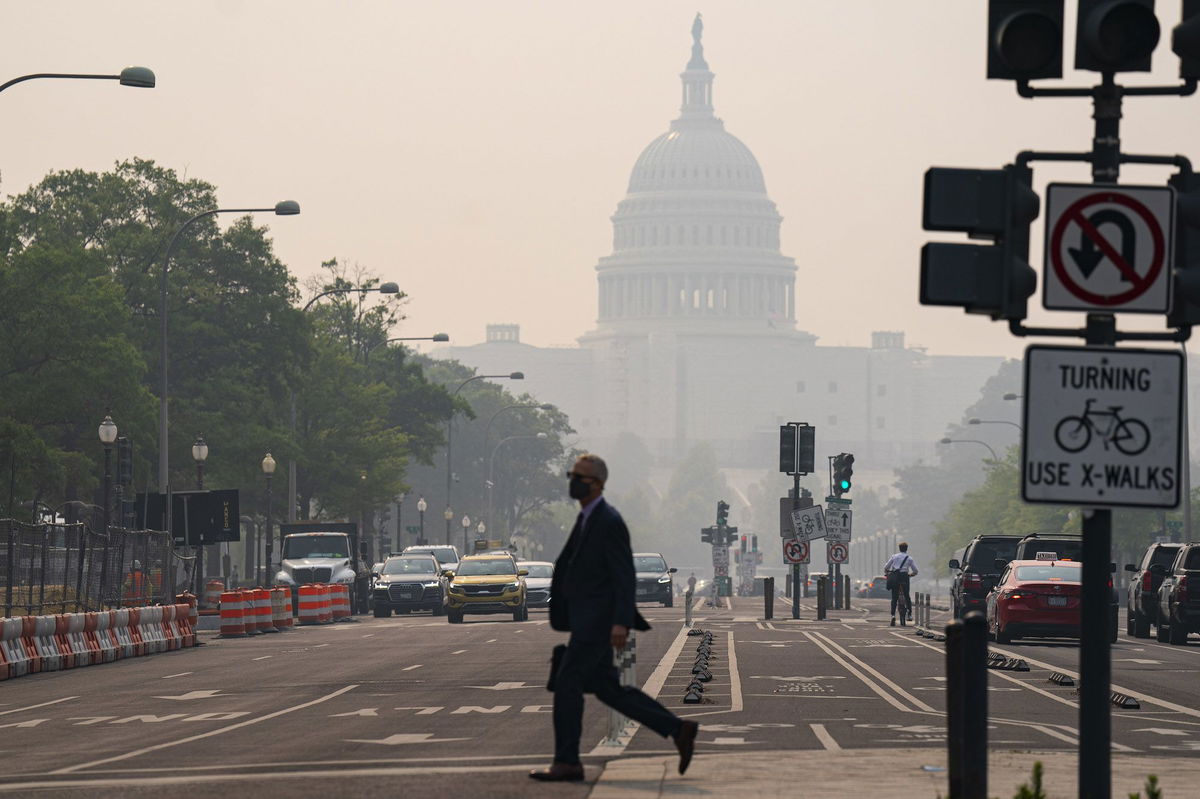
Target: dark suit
(593, 589)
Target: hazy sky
(474, 151)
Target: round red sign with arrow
(1107, 249)
(838, 552)
(795, 551)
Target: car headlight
(456, 589)
(664, 579)
(512, 586)
(432, 584)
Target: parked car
(486, 584)
(1141, 595)
(537, 582)
(978, 571)
(1036, 598)
(1179, 597)
(405, 583)
(654, 581)
(447, 555)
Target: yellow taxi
(491, 583)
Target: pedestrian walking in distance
(592, 598)
(898, 570)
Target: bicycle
(1129, 436)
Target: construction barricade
(281, 608)
(212, 593)
(339, 598)
(233, 609)
(262, 611)
(325, 612)
(310, 604)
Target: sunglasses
(573, 475)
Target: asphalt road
(436, 708)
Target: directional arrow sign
(503, 686)
(405, 738)
(194, 695)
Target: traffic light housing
(1025, 39)
(1185, 40)
(1115, 35)
(1185, 303)
(124, 462)
(998, 204)
(806, 437)
(843, 472)
(706, 535)
(722, 513)
(787, 449)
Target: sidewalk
(891, 773)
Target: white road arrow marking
(939, 679)
(1140, 661)
(405, 738)
(1162, 731)
(730, 741)
(503, 686)
(194, 695)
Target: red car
(1035, 598)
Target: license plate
(406, 596)
(1057, 601)
(644, 591)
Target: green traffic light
(844, 485)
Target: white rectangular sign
(1108, 248)
(720, 556)
(1102, 426)
(809, 523)
(838, 523)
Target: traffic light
(787, 449)
(124, 462)
(744, 545)
(1185, 304)
(706, 535)
(1115, 35)
(1025, 39)
(843, 471)
(806, 436)
(1185, 40)
(998, 204)
(731, 534)
(722, 513)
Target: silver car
(537, 582)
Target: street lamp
(450, 433)
(399, 521)
(993, 421)
(422, 506)
(138, 77)
(284, 208)
(108, 435)
(200, 455)
(383, 288)
(491, 464)
(466, 525)
(434, 337)
(481, 528)
(268, 467)
(487, 431)
(449, 514)
(971, 441)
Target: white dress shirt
(901, 561)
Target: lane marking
(864, 678)
(899, 691)
(410, 668)
(42, 704)
(458, 652)
(264, 657)
(180, 674)
(489, 641)
(735, 679)
(201, 736)
(318, 646)
(825, 738)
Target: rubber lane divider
(1125, 701)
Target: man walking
(899, 568)
(592, 598)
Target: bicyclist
(902, 565)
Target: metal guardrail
(63, 568)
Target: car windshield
(468, 568)
(1049, 573)
(410, 566)
(538, 569)
(315, 546)
(649, 563)
(443, 554)
(985, 554)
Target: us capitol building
(696, 339)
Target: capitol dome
(696, 238)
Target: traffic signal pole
(796, 592)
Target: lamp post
(108, 435)
(450, 434)
(466, 525)
(422, 506)
(383, 288)
(284, 208)
(434, 337)
(200, 455)
(138, 77)
(399, 522)
(487, 431)
(491, 464)
(268, 467)
(994, 421)
(971, 441)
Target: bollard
(928, 617)
(918, 622)
(955, 707)
(768, 598)
(846, 590)
(687, 608)
(975, 700)
(821, 597)
(787, 586)
(836, 585)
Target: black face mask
(578, 488)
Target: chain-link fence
(62, 568)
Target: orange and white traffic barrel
(212, 593)
(339, 598)
(310, 604)
(233, 624)
(281, 608)
(183, 623)
(262, 611)
(249, 612)
(325, 615)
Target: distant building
(696, 338)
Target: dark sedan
(409, 582)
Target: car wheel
(1141, 627)
(1131, 617)
(382, 612)
(1177, 634)
(1002, 635)
(454, 616)
(439, 610)
(670, 602)
(1112, 635)
(517, 614)
(1163, 632)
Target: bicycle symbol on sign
(1129, 436)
